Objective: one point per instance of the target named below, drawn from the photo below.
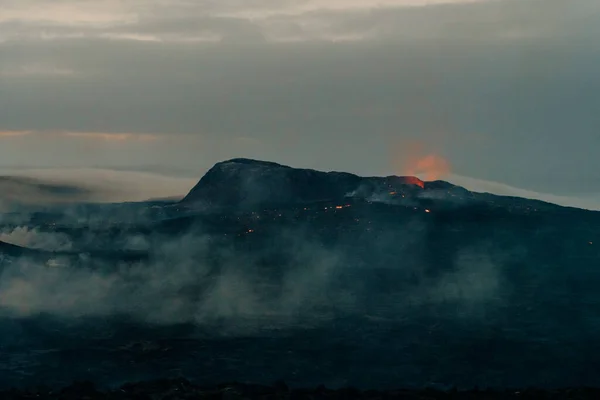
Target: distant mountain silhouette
(243, 183)
(12, 250)
(378, 281)
(36, 191)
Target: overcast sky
(503, 90)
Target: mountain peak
(250, 161)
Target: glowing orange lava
(413, 180)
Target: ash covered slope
(249, 183)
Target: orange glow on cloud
(108, 137)
(432, 167)
(112, 137)
(5, 134)
(412, 159)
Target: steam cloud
(33, 238)
(178, 284)
(172, 288)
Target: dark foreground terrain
(183, 389)
(266, 273)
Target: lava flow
(413, 180)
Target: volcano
(265, 272)
(245, 183)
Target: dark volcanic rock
(183, 389)
(11, 250)
(249, 183)
(244, 184)
(401, 283)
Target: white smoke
(33, 238)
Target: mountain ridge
(245, 182)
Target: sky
(504, 91)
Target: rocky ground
(183, 389)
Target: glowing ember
(339, 207)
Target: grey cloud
(180, 20)
(480, 83)
(228, 29)
(184, 28)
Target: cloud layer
(48, 186)
(507, 90)
(180, 21)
